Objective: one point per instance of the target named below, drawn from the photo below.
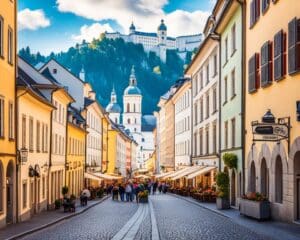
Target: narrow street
(165, 217)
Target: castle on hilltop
(159, 42)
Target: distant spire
(82, 74)
(113, 96)
(132, 79)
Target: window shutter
(257, 9)
(279, 55)
(294, 46)
(253, 73)
(266, 64)
(252, 11)
(265, 5)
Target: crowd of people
(129, 191)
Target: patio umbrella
(86, 192)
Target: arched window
(252, 186)
(128, 120)
(264, 181)
(278, 180)
(135, 120)
(133, 107)
(128, 107)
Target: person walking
(154, 187)
(137, 190)
(160, 187)
(128, 191)
(121, 192)
(115, 193)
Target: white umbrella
(86, 192)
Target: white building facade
(159, 42)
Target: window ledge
(251, 91)
(267, 84)
(214, 112)
(232, 97)
(2, 57)
(11, 139)
(279, 79)
(224, 103)
(233, 52)
(2, 137)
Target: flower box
(256, 209)
(222, 203)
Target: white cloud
(146, 14)
(92, 31)
(32, 19)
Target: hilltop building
(159, 42)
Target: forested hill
(107, 62)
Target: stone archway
(233, 188)
(297, 184)
(10, 192)
(252, 178)
(264, 178)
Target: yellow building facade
(273, 80)
(105, 127)
(76, 139)
(112, 151)
(8, 207)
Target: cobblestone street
(175, 219)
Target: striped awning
(163, 174)
(100, 176)
(187, 172)
(200, 172)
(176, 173)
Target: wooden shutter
(279, 55)
(257, 9)
(265, 5)
(294, 46)
(253, 73)
(252, 12)
(266, 64)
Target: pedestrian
(115, 193)
(121, 192)
(160, 187)
(137, 190)
(154, 187)
(128, 191)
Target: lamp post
(22, 155)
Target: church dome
(162, 26)
(132, 27)
(113, 108)
(132, 90)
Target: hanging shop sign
(269, 130)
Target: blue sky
(55, 25)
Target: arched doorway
(233, 188)
(10, 192)
(278, 180)
(297, 182)
(252, 186)
(264, 180)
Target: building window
(215, 65)
(207, 140)
(54, 71)
(207, 106)
(233, 39)
(254, 11)
(10, 52)
(226, 135)
(266, 64)
(207, 73)
(38, 136)
(128, 120)
(201, 79)
(128, 107)
(265, 5)
(1, 36)
(23, 131)
(1, 117)
(201, 141)
(214, 138)
(214, 100)
(24, 190)
(253, 73)
(279, 55)
(233, 132)
(11, 121)
(46, 139)
(43, 187)
(294, 46)
(195, 144)
(201, 110)
(30, 134)
(226, 49)
(225, 90)
(233, 83)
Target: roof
(113, 108)
(76, 114)
(88, 102)
(47, 74)
(146, 34)
(132, 90)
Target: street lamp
(268, 117)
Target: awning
(141, 176)
(176, 173)
(163, 174)
(201, 172)
(100, 176)
(187, 172)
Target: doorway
(10, 193)
(233, 191)
(297, 184)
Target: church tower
(162, 33)
(132, 100)
(82, 74)
(113, 108)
